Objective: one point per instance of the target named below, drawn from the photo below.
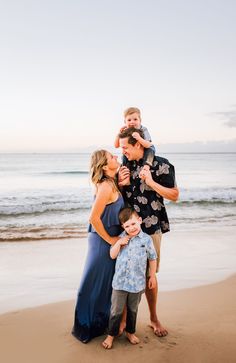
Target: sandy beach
(201, 323)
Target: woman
(94, 295)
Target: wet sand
(201, 323)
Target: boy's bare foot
(107, 343)
(158, 329)
(132, 338)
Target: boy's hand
(136, 136)
(152, 282)
(123, 241)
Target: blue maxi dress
(94, 296)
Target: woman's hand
(113, 240)
(123, 176)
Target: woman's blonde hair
(97, 162)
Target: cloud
(228, 116)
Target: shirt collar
(140, 235)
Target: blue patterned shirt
(131, 263)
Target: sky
(68, 69)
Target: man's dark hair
(128, 133)
(126, 213)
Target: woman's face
(112, 162)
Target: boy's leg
(151, 294)
(118, 301)
(133, 301)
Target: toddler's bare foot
(107, 343)
(132, 338)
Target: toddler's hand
(136, 135)
(123, 128)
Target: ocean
(48, 196)
(45, 201)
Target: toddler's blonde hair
(131, 110)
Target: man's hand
(123, 176)
(146, 175)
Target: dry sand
(201, 323)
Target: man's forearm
(167, 193)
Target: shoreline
(50, 270)
(201, 323)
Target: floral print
(149, 204)
(131, 263)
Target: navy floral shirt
(149, 204)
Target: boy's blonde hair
(131, 110)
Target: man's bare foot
(107, 343)
(132, 338)
(158, 329)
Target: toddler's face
(133, 226)
(133, 120)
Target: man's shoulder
(159, 160)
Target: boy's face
(133, 226)
(133, 120)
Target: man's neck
(140, 154)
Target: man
(144, 190)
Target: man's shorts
(156, 238)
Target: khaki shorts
(156, 238)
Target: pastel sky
(69, 68)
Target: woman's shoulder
(105, 186)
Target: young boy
(133, 119)
(132, 251)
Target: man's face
(133, 226)
(128, 150)
(133, 120)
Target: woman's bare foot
(107, 343)
(132, 338)
(158, 329)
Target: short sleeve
(165, 175)
(151, 252)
